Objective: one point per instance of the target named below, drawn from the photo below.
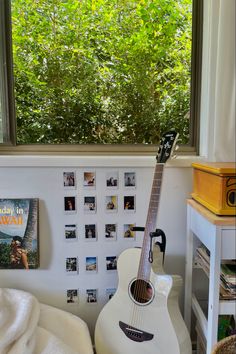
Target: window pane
(3, 131)
(101, 71)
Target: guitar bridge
(135, 334)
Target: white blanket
(21, 330)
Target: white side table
(218, 234)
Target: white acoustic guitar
(143, 316)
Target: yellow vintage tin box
(214, 186)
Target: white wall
(50, 282)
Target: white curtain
(217, 136)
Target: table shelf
(218, 234)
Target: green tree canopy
(101, 71)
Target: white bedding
(28, 327)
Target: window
(99, 72)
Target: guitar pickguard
(135, 334)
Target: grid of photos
(119, 194)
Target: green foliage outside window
(101, 71)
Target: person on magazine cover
(18, 254)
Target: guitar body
(143, 316)
(127, 326)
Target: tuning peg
(176, 147)
(173, 156)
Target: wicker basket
(225, 346)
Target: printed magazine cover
(19, 233)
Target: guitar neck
(145, 265)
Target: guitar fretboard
(144, 265)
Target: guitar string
(140, 287)
(139, 284)
(144, 279)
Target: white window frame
(9, 145)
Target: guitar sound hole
(141, 291)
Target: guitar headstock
(167, 146)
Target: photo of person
(110, 232)
(128, 232)
(72, 296)
(18, 254)
(110, 293)
(90, 232)
(72, 265)
(112, 179)
(89, 179)
(111, 203)
(130, 179)
(91, 264)
(91, 295)
(129, 203)
(90, 205)
(69, 204)
(69, 179)
(111, 263)
(70, 232)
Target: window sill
(92, 161)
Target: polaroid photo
(111, 263)
(72, 296)
(130, 180)
(69, 180)
(110, 293)
(89, 179)
(129, 203)
(111, 232)
(71, 232)
(72, 265)
(91, 295)
(111, 203)
(112, 179)
(90, 232)
(128, 232)
(70, 205)
(90, 205)
(91, 264)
